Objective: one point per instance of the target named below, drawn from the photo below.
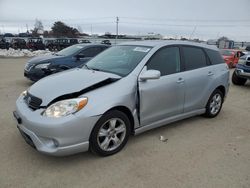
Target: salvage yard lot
(199, 152)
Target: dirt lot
(199, 152)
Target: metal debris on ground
(163, 139)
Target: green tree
(60, 29)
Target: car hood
(44, 58)
(227, 56)
(69, 84)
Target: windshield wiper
(90, 68)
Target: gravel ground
(199, 152)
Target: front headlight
(242, 61)
(65, 107)
(24, 93)
(42, 66)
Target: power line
(186, 20)
(185, 25)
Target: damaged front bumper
(54, 136)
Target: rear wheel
(238, 80)
(214, 104)
(110, 133)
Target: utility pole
(117, 21)
(91, 30)
(27, 28)
(191, 35)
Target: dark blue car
(242, 71)
(71, 57)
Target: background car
(242, 71)
(4, 44)
(231, 57)
(106, 42)
(18, 43)
(71, 57)
(35, 44)
(248, 48)
(84, 41)
(59, 44)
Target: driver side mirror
(80, 56)
(150, 75)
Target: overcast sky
(205, 19)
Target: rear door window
(194, 57)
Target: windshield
(70, 50)
(226, 52)
(120, 60)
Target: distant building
(225, 43)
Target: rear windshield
(226, 52)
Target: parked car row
(19, 43)
(126, 89)
(37, 43)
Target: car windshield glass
(120, 60)
(226, 52)
(244, 57)
(70, 50)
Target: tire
(214, 104)
(238, 80)
(231, 65)
(110, 133)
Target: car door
(164, 97)
(198, 76)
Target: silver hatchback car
(127, 89)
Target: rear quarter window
(214, 57)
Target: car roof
(231, 50)
(90, 44)
(158, 43)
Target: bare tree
(38, 28)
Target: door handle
(210, 73)
(180, 80)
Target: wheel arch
(222, 89)
(128, 113)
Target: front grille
(32, 101)
(248, 62)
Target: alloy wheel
(215, 104)
(111, 134)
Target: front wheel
(214, 104)
(110, 133)
(238, 80)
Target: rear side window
(166, 60)
(194, 58)
(214, 56)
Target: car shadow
(88, 157)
